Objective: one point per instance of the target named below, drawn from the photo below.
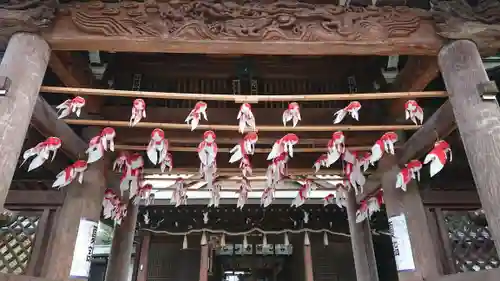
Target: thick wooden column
(122, 246)
(478, 122)
(204, 263)
(362, 243)
(414, 250)
(83, 201)
(308, 268)
(142, 271)
(24, 64)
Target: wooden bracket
(488, 90)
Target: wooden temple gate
(452, 221)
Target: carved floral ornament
(247, 21)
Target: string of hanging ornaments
(132, 164)
(244, 234)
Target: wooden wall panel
(167, 261)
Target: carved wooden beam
(24, 15)
(213, 27)
(479, 22)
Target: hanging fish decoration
(384, 144)
(303, 194)
(108, 203)
(352, 108)
(73, 171)
(214, 196)
(374, 204)
(158, 147)
(179, 196)
(245, 187)
(168, 162)
(132, 166)
(335, 147)
(100, 143)
(365, 161)
(246, 167)
(277, 169)
(352, 170)
(341, 197)
(246, 118)
(267, 197)
(138, 112)
(143, 194)
(42, 152)
(207, 153)
(120, 213)
(362, 212)
(194, 117)
(69, 106)
(283, 145)
(245, 147)
(329, 199)
(292, 113)
(320, 162)
(438, 157)
(409, 172)
(414, 112)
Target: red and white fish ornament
(42, 152)
(246, 167)
(320, 162)
(194, 117)
(168, 162)
(329, 199)
(120, 213)
(438, 157)
(245, 187)
(132, 166)
(341, 197)
(70, 173)
(304, 192)
(214, 196)
(69, 106)
(365, 161)
(384, 144)
(207, 153)
(352, 170)
(277, 169)
(245, 147)
(100, 143)
(409, 172)
(138, 112)
(414, 112)
(267, 197)
(375, 203)
(246, 118)
(292, 113)
(179, 196)
(335, 147)
(352, 108)
(283, 145)
(143, 194)
(158, 147)
(109, 203)
(362, 212)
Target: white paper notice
(401, 243)
(84, 247)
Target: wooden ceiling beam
(73, 70)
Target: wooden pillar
(362, 244)
(308, 268)
(478, 122)
(142, 271)
(204, 262)
(24, 64)
(414, 251)
(122, 246)
(83, 201)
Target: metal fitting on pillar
(4, 85)
(488, 90)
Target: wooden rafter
(243, 98)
